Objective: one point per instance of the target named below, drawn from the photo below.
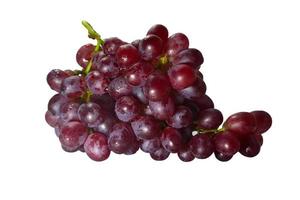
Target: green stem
(96, 36)
(214, 131)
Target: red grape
(96, 147)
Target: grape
(107, 125)
(150, 146)
(118, 87)
(186, 155)
(55, 103)
(259, 139)
(197, 90)
(222, 157)
(91, 114)
(160, 154)
(201, 146)
(72, 135)
(97, 83)
(178, 99)
(162, 109)
(73, 87)
(187, 133)
(145, 127)
(127, 55)
(68, 149)
(192, 57)
(209, 119)
(182, 76)
(250, 146)
(226, 143)
(121, 138)
(242, 123)
(111, 45)
(263, 121)
(96, 147)
(84, 54)
(150, 47)
(133, 148)
(138, 93)
(51, 119)
(138, 73)
(105, 101)
(157, 87)
(107, 66)
(136, 43)
(182, 117)
(161, 31)
(204, 102)
(68, 112)
(176, 43)
(55, 78)
(127, 108)
(171, 139)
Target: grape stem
(96, 36)
(213, 131)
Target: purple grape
(157, 87)
(209, 119)
(162, 109)
(119, 87)
(182, 117)
(263, 121)
(84, 54)
(111, 45)
(150, 47)
(55, 103)
(160, 154)
(91, 114)
(150, 146)
(176, 43)
(97, 83)
(182, 76)
(73, 87)
(96, 147)
(127, 55)
(127, 108)
(161, 31)
(201, 146)
(69, 111)
(55, 78)
(192, 57)
(107, 66)
(51, 119)
(171, 140)
(146, 127)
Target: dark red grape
(97, 83)
(127, 108)
(51, 119)
(192, 57)
(186, 155)
(171, 139)
(138, 93)
(107, 66)
(73, 87)
(91, 114)
(201, 146)
(204, 102)
(176, 43)
(242, 123)
(187, 133)
(55, 103)
(96, 147)
(259, 138)
(223, 157)
(134, 147)
(160, 154)
(119, 87)
(157, 87)
(150, 47)
(136, 43)
(250, 146)
(226, 143)
(105, 101)
(127, 55)
(150, 146)
(182, 117)
(182, 76)
(161, 31)
(73, 134)
(145, 127)
(107, 125)
(84, 54)
(111, 45)
(69, 112)
(263, 121)
(55, 78)
(138, 73)
(197, 90)
(209, 119)
(162, 109)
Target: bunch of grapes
(150, 95)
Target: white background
(251, 51)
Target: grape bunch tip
(149, 95)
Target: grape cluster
(150, 95)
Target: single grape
(73, 87)
(84, 54)
(226, 143)
(136, 43)
(162, 109)
(72, 135)
(171, 139)
(210, 118)
(242, 123)
(182, 76)
(91, 114)
(96, 146)
(223, 157)
(119, 87)
(97, 83)
(127, 55)
(193, 107)
(55, 103)
(138, 93)
(121, 138)
(259, 138)
(150, 146)
(157, 87)
(250, 146)
(160, 154)
(146, 127)
(197, 90)
(55, 78)
(138, 73)
(51, 119)
(107, 66)
(69, 111)
(192, 57)
(186, 155)
(150, 47)
(263, 121)
(161, 31)
(127, 108)
(111, 45)
(107, 125)
(176, 43)
(133, 148)
(182, 117)
(204, 102)
(201, 146)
